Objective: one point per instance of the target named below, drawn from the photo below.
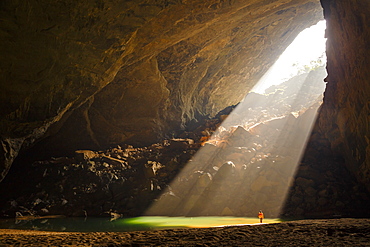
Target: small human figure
(260, 216)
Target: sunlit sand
(144, 223)
(196, 222)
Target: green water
(125, 224)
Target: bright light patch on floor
(193, 222)
(249, 162)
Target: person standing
(260, 216)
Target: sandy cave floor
(325, 232)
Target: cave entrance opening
(305, 53)
(250, 161)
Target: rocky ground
(126, 180)
(333, 232)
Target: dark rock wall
(102, 73)
(201, 61)
(54, 57)
(344, 118)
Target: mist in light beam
(249, 162)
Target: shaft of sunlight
(307, 49)
(249, 162)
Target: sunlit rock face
(242, 168)
(338, 151)
(344, 119)
(101, 73)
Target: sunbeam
(249, 162)
(307, 49)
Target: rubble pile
(121, 179)
(239, 169)
(243, 173)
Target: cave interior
(128, 108)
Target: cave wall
(344, 118)
(208, 63)
(91, 74)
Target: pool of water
(124, 224)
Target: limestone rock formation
(240, 169)
(93, 74)
(232, 178)
(344, 119)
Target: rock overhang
(106, 73)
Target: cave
(104, 102)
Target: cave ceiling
(92, 74)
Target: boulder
(82, 155)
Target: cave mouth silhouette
(249, 162)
